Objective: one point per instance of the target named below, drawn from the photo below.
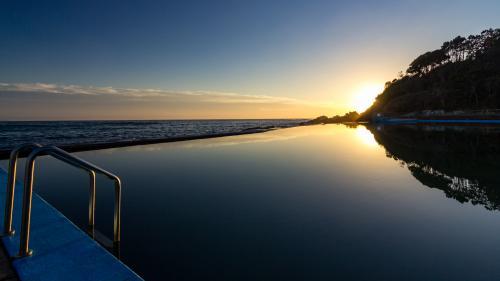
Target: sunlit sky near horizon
(215, 59)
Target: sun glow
(365, 96)
(366, 137)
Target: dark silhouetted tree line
(464, 74)
(348, 117)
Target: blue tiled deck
(61, 251)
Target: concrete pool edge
(61, 250)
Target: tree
(427, 62)
(463, 75)
(454, 49)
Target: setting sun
(365, 95)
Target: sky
(66, 60)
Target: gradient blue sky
(320, 54)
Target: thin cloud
(42, 101)
(202, 96)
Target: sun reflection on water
(366, 137)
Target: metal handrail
(76, 162)
(11, 183)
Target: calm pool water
(307, 203)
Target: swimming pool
(305, 203)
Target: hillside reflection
(462, 161)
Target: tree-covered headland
(460, 79)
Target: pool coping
(61, 250)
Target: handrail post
(117, 213)
(117, 218)
(27, 201)
(11, 183)
(91, 223)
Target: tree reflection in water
(463, 161)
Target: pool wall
(61, 251)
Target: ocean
(69, 133)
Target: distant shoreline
(429, 117)
(436, 121)
(414, 121)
